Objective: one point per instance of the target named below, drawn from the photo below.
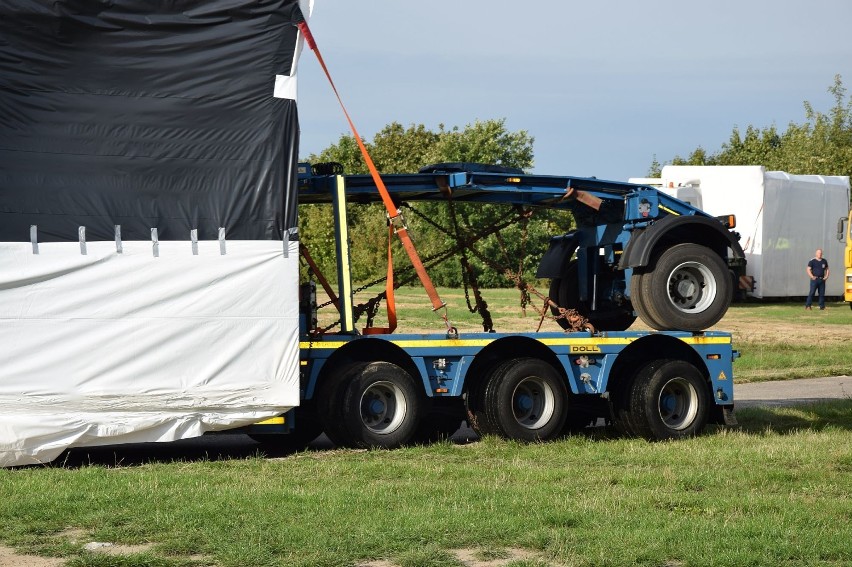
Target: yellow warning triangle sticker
(722, 376)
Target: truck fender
(706, 231)
(555, 260)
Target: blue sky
(602, 87)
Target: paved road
(788, 392)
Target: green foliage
(396, 149)
(821, 145)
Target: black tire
(687, 289)
(566, 292)
(525, 400)
(477, 418)
(667, 399)
(623, 418)
(380, 406)
(307, 428)
(636, 297)
(330, 403)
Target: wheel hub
(383, 407)
(678, 403)
(533, 403)
(691, 287)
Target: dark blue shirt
(818, 267)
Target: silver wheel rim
(383, 407)
(691, 287)
(678, 404)
(533, 402)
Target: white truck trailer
(782, 219)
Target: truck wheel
(668, 399)
(380, 406)
(330, 403)
(525, 400)
(688, 289)
(637, 299)
(566, 292)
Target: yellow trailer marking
(272, 421)
(585, 344)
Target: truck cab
(844, 233)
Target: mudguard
(707, 231)
(555, 260)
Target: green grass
(780, 341)
(788, 360)
(776, 491)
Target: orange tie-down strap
(390, 299)
(393, 212)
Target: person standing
(818, 272)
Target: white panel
(286, 86)
(108, 347)
(781, 218)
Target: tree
(821, 145)
(396, 149)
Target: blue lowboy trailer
(374, 388)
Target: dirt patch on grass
(11, 558)
(473, 557)
(77, 537)
(117, 549)
(744, 329)
(808, 327)
(489, 558)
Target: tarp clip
(34, 237)
(193, 235)
(155, 241)
(222, 249)
(81, 234)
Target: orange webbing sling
(390, 300)
(396, 220)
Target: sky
(603, 87)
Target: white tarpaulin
(782, 219)
(151, 344)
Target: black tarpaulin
(147, 115)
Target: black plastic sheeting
(146, 114)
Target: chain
(575, 320)
(469, 277)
